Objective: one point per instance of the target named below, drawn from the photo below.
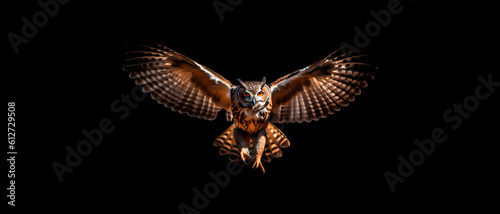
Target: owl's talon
(258, 164)
(245, 156)
(244, 161)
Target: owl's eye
(261, 93)
(246, 94)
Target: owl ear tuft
(263, 82)
(242, 83)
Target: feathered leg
(240, 141)
(258, 150)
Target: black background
(429, 57)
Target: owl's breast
(251, 121)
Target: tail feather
(275, 141)
(227, 144)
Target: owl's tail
(227, 144)
(274, 142)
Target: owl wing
(176, 81)
(319, 89)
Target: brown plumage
(307, 94)
(178, 82)
(319, 89)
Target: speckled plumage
(307, 94)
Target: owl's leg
(240, 141)
(258, 150)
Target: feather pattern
(320, 89)
(227, 144)
(178, 82)
(275, 141)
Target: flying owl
(307, 94)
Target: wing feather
(177, 81)
(319, 89)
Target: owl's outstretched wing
(176, 81)
(319, 89)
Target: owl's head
(253, 95)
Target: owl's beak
(253, 101)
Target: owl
(307, 94)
